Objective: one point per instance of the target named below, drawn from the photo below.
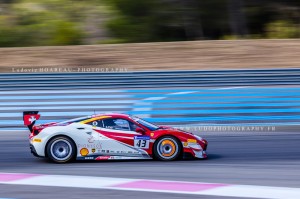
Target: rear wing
(29, 118)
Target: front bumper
(200, 154)
(195, 149)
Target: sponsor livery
(110, 137)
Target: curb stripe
(180, 187)
(8, 177)
(169, 186)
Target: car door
(117, 137)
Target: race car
(110, 137)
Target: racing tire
(61, 149)
(167, 148)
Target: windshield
(148, 125)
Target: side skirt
(112, 157)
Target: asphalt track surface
(267, 159)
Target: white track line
(180, 187)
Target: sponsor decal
(185, 144)
(141, 137)
(91, 139)
(84, 152)
(89, 158)
(93, 150)
(37, 140)
(103, 157)
(151, 134)
(96, 146)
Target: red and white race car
(110, 137)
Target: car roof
(111, 115)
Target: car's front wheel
(167, 148)
(61, 149)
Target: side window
(132, 126)
(119, 124)
(97, 123)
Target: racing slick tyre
(167, 148)
(61, 149)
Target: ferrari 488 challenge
(110, 137)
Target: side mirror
(140, 130)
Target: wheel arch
(170, 135)
(59, 135)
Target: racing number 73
(141, 142)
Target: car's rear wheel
(61, 149)
(167, 148)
